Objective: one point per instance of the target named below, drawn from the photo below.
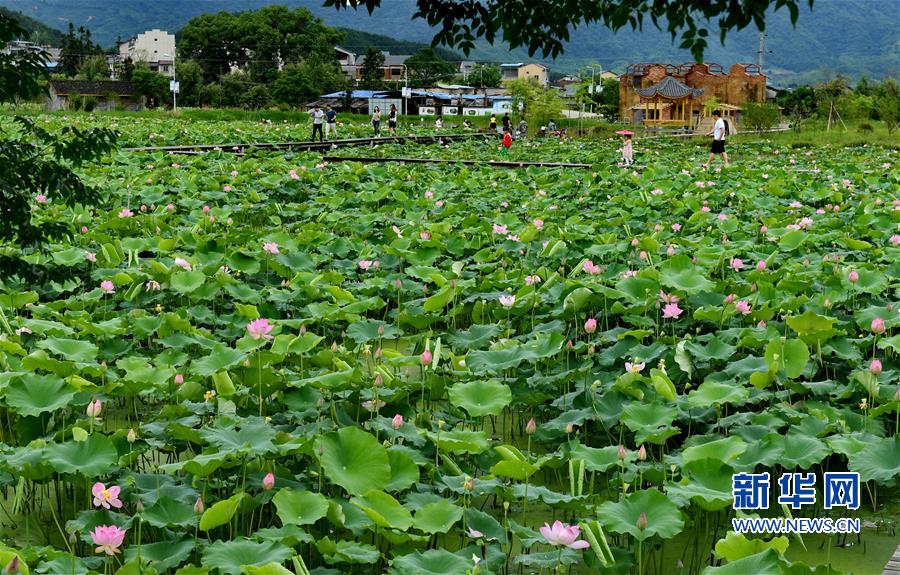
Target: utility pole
(762, 49)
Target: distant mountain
(853, 37)
(37, 32)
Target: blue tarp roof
(357, 94)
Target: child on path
(493, 125)
(506, 144)
(392, 120)
(627, 150)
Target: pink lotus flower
(226, 188)
(108, 539)
(94, 408)
(426, 357)
(761, 324)
(853, 276)
(895, 240)
(90, 256)
(629, 273)
(590, 326)
(742, 306)
(41, 199)
(722, 217)
(507, 300)
(642, 453)
(429, 194)
(705, 209)
(729, 298)
(643, 255)
(539, 224)
(875, 367)
(672, 311)
(125, 213)
(23, 329)
(499, 229)
(877, 326)
(152, 285)
(206, 209)
(293, 175)
(676, 227)
(270, 247)
(397, 421)
(179, 379)
(234, 173)
(170, 207)
(668, 298)
(805, 223)
(763, 229)
(84, 229)
(621, 453)
(761, 266)
(475, 534)
(104, 497)
(183, 264)
(512, 237)
(107, 286)
(424, 236)
(670, 251)
(656, 191)
(564, 535)
(737, 263)
(365, 264)
(439, 203)
(268, 482)
(259, 329)
(531, 426)
(634, 367)
(532, 280)
(590, 267)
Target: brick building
(667, 95)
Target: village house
(393, 69)
(51, 55)
(663, 95)
(521, 71)
(102, 95)
(155, 47)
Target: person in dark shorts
(718, 143)
(376, 121)
(493, 125)
(507, 123)
(330, 123)
(392, 120)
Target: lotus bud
(641, 522)
(853, 277)
(13, 566)
(84, 229)
(334, 346)
(268, 481)
(398, 284)
(569, 344)
(94, 408)
(622, 454)
(761, 266)
(179, 379)
(875, 367)
(132, 436)
(381, 329)
(469, 484)
(763, 229)
(73, 538)
(591, 350)
(198, 506)
(729, 298)
(634, 242)
(139, 506)
(378, 353)
(426, 357)
(397, 421)
(378, 380)
(897, 394)
(570, 428)
(877, 326)
(302, 330)
(642, 453)
(590, 326)
(531, 426)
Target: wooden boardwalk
(893, 566)
(487, 163)
(311, 146)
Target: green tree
(484, 75)
(759, 116)
(887, 103)
(94, 68)
(426, 68)
(256, 97)
(75, 48)
(154, 87)
(371, 74)
(190, 79)
(544, 25)
(538, 104)
(126, 69)
(34, 161)
(605, 101)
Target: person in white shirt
(718, 143)
(318, 117)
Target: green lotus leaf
(220, 513)
(680, 273)
(431, 562)
(229, 557)
(812, 327)
(663, 517)
(162, 555)
(93, 457)
(267, 569)
(460, 441)
(70, 349)
(187, 281)
(437, 517)
(221, 359)
(788, 355)
(879, 461)
(384, 510)
(367, 330)
(706, 482)
(736, 546)
(167, 512)
(404, 471)
(723, 450)
(36, 394)
(355, 460)
(299, 507)
(481, 398)
(712, 392)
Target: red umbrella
(625, 133)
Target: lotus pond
(270, 364)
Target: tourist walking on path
(376, 121)
(330, 123)
(493, 125)
(718, 144)
(392, 120)
(507, 123)
(627, 150)
(318, 117)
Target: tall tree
(484, 75)
(543, 25)
(75, 48)
(94, 68)
(35, 162)
(371, 73)
(425, 68)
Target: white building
(155, 47)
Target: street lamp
(173, 85)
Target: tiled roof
(95, 88)
(671, 88)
